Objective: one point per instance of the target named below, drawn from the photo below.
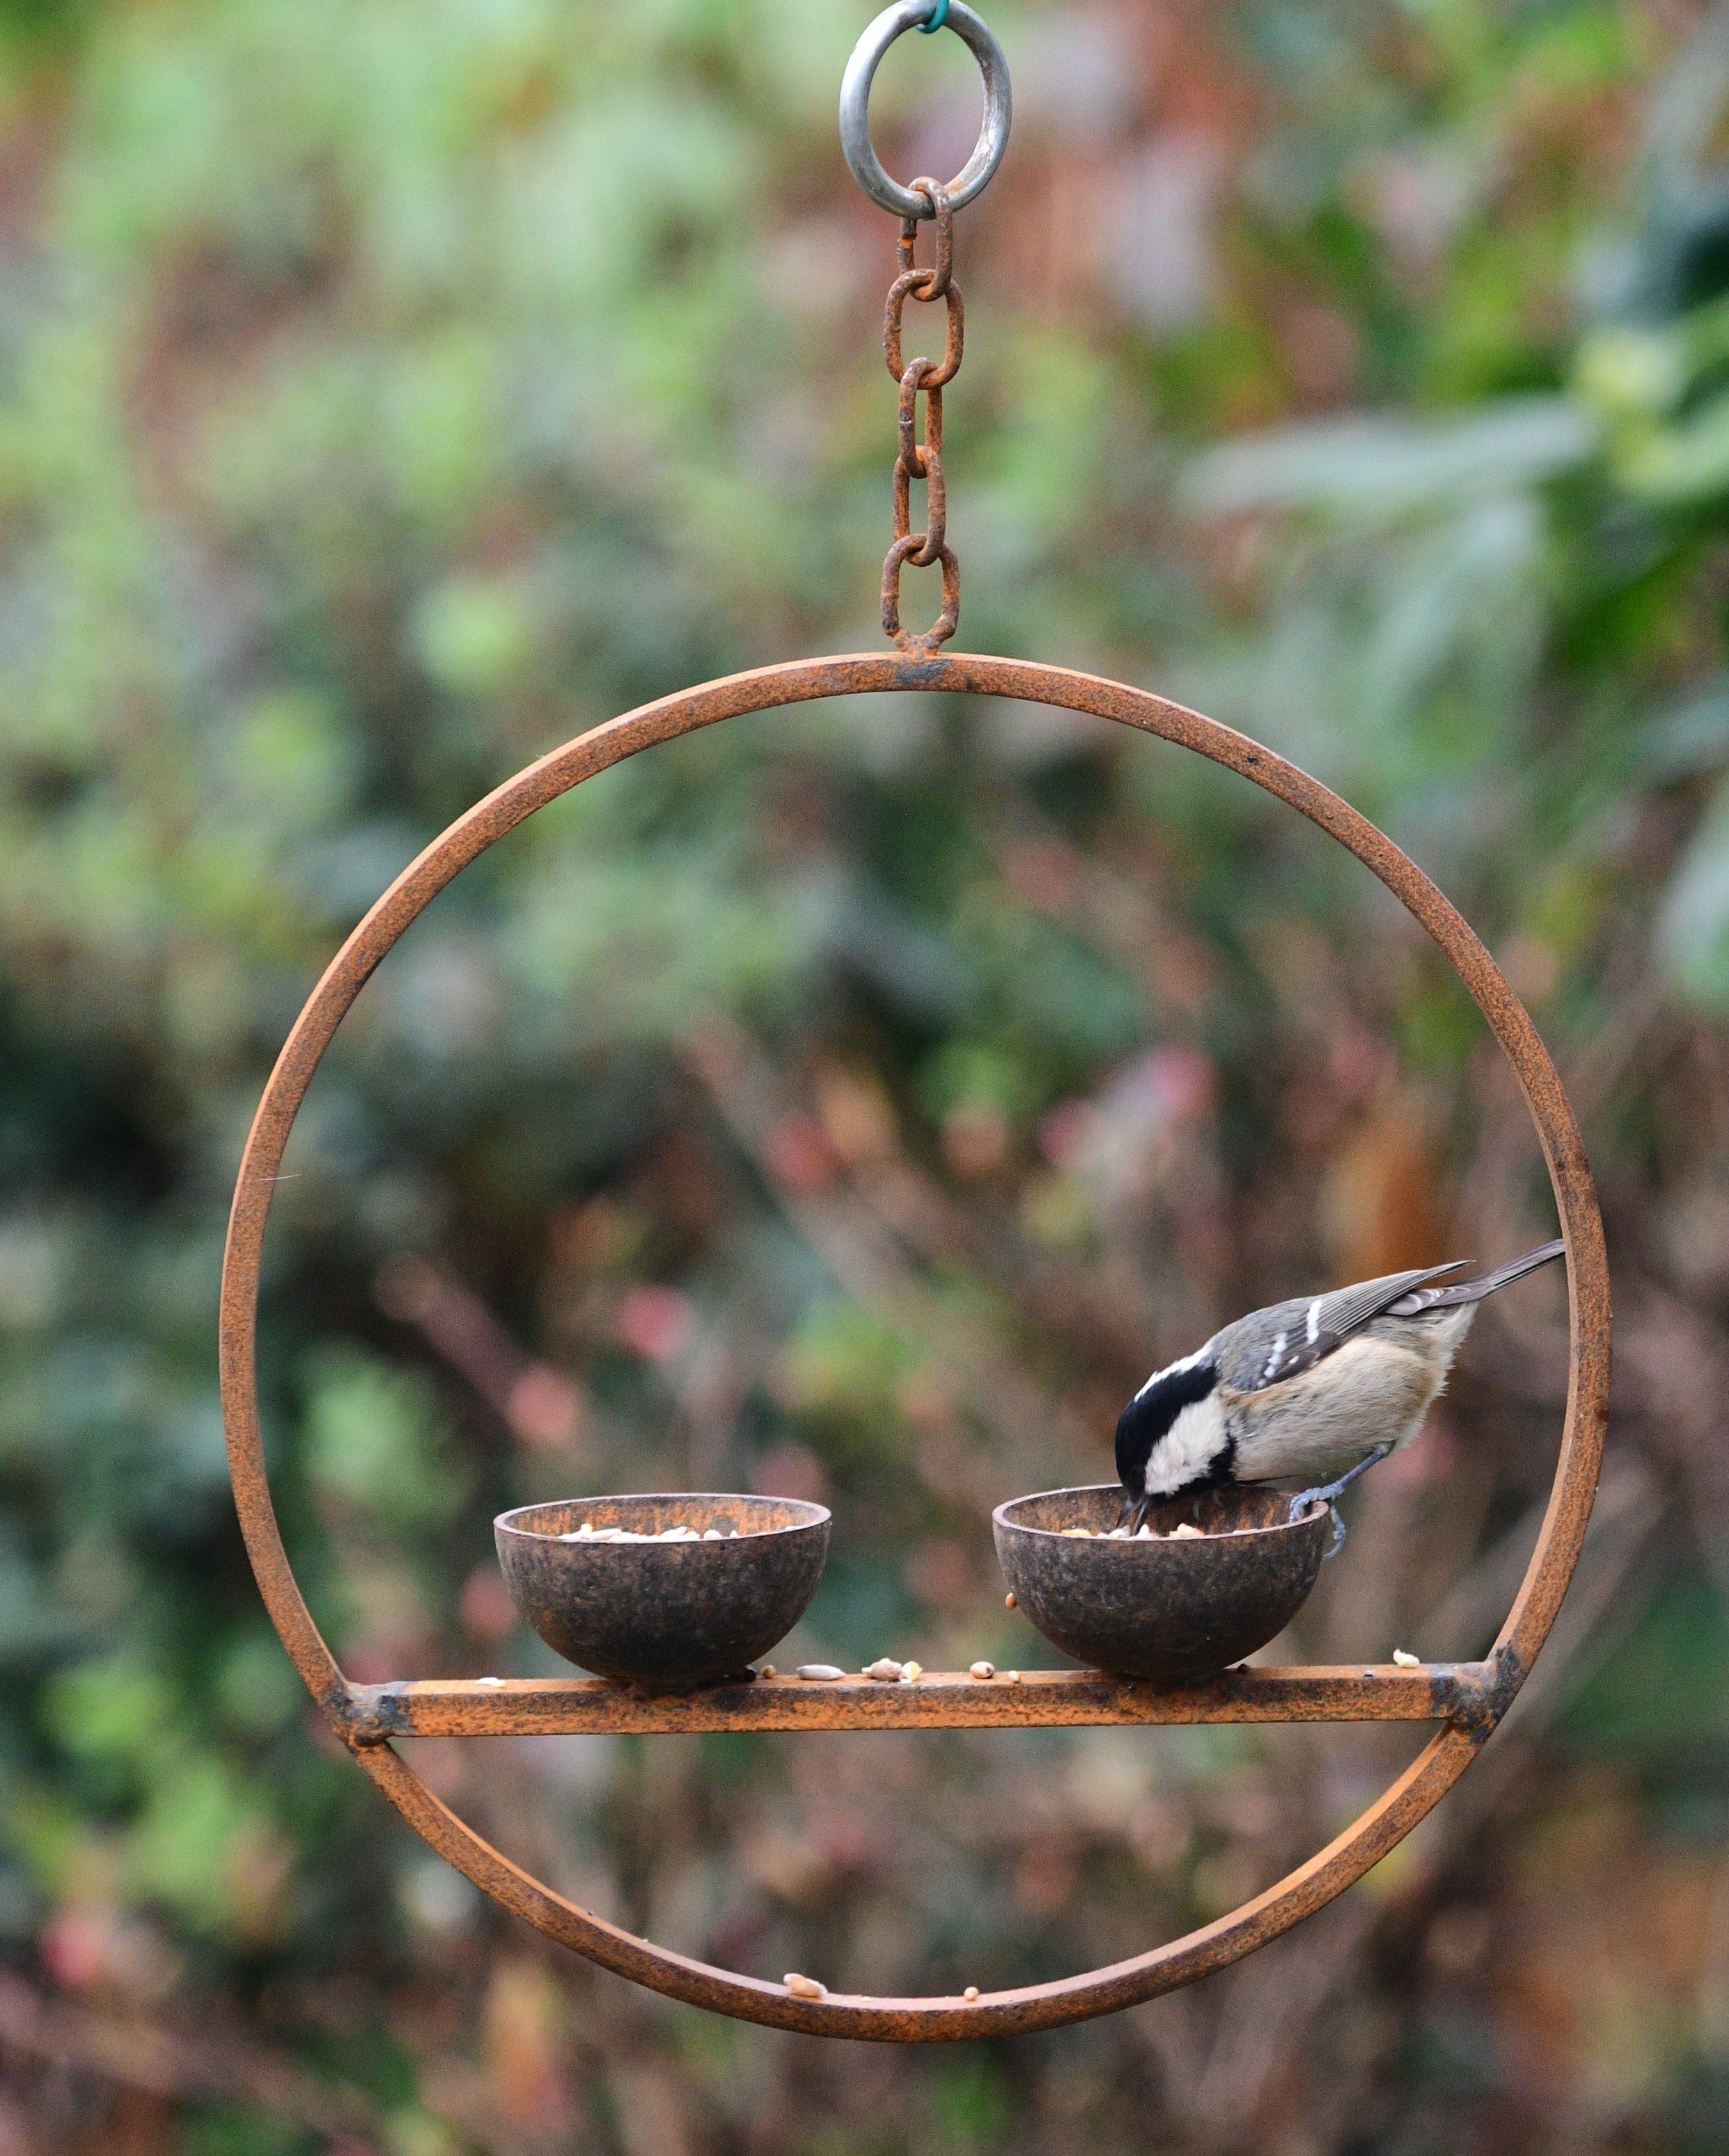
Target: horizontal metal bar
(1469, 1693)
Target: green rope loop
(939, 16)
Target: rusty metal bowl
(665, 1613)
(1175, 1611)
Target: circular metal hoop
(861, 157)
(1389, 1819)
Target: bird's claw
(1328, 1495)
(1299, 1510)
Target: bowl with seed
(664, 1590)
(1207, 1580)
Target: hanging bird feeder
(720, 1565)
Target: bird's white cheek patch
(1188, 1448)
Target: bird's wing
(1278, 1343)
(1475, 1291)
(1347, 1308)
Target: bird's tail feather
(1474, 1290)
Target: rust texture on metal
(1490, 1687)
(664, 1613)
(1466, 1693)
(1166, 1607)
(917, 460)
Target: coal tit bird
(1316, 1391)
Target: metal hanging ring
(861, 157)
(1160, 1968)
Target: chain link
(923, 460)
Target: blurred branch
(540, 1406)
(231, 2068)
(864, 1259)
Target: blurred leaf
(377, 1439)
(1368, 470)
(1693, 930)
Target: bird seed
(588, 1532)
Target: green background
(854, 1102)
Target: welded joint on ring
(861, 157)
(366, 1714)
(1473, 1696)
(1481, 1692)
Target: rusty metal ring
(954, 341)
(911, 383)
(938, 277)
(921, 548)
(856, 146)
(932, 543)
(1304, 1891)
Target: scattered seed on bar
(982, 1669)
(820, 1672)
(1407, 1661)
(911, 1671)
(971, 1994)
(885, 1671)
(804, 1987)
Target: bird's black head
(1150, 1414)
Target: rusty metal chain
(916, 458)
(925, 198)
